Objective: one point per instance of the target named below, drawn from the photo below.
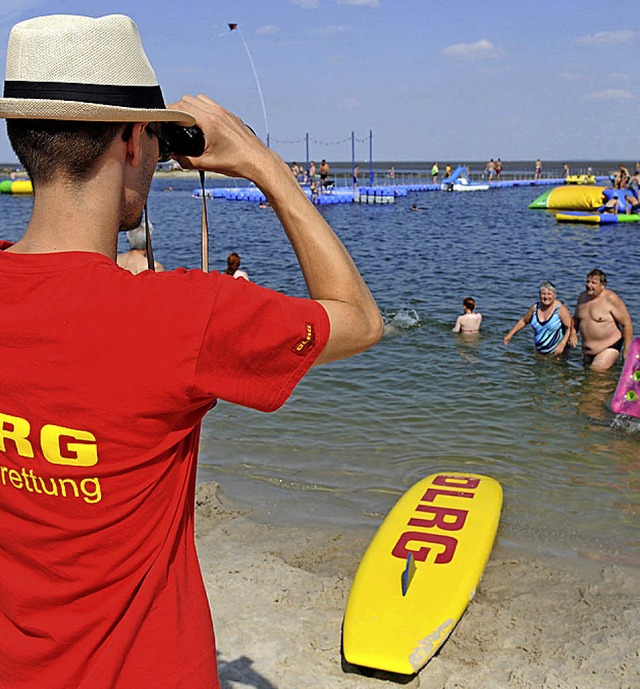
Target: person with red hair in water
(233, 267)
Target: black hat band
(143, 97)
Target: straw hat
(68, 67)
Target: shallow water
(357, 433)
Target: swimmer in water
(469, 321)
(550, 320)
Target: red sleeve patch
(307, 342)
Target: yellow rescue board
(420, 571)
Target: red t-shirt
(105, 379)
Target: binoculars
(177, 140)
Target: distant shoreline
(512, 169)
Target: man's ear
(132, 134)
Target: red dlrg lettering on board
(435, 517)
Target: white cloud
(619, 76)
(330, 31)
(570, 76)
(480, 50)
(267, 30)
(607, 38)
(611, 94)
(306, 4)
(360, 3)
(350, 104)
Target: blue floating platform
(335, 196)
(373, 194)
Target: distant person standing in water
(233, 267)
(136, 260)
(603, 322)
(469, 321)
(550, 320)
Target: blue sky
(465, 80)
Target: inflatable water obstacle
(16, 186)
(597, 218)
(460, 181)
(586, 204)
(626, 399)
(577, 197)
(580, 179)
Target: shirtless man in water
(603, 322)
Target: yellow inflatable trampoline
(16, 186)
(572, 197)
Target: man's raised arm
(329, 271)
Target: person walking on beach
(107, 376)
(469, 321)
(136, 260)
(233, 267)
(603, 322)
(550, 320)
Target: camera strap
(151, 264)
(205, 226)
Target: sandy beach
(278, 594)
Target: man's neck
(74, 217)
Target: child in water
(470, 321)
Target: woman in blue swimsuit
(550, 320)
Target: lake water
(357, 433)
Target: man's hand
(231, 146)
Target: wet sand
(278, 594)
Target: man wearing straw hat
(100, 585)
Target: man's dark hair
(597, 273)
(50, 149)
